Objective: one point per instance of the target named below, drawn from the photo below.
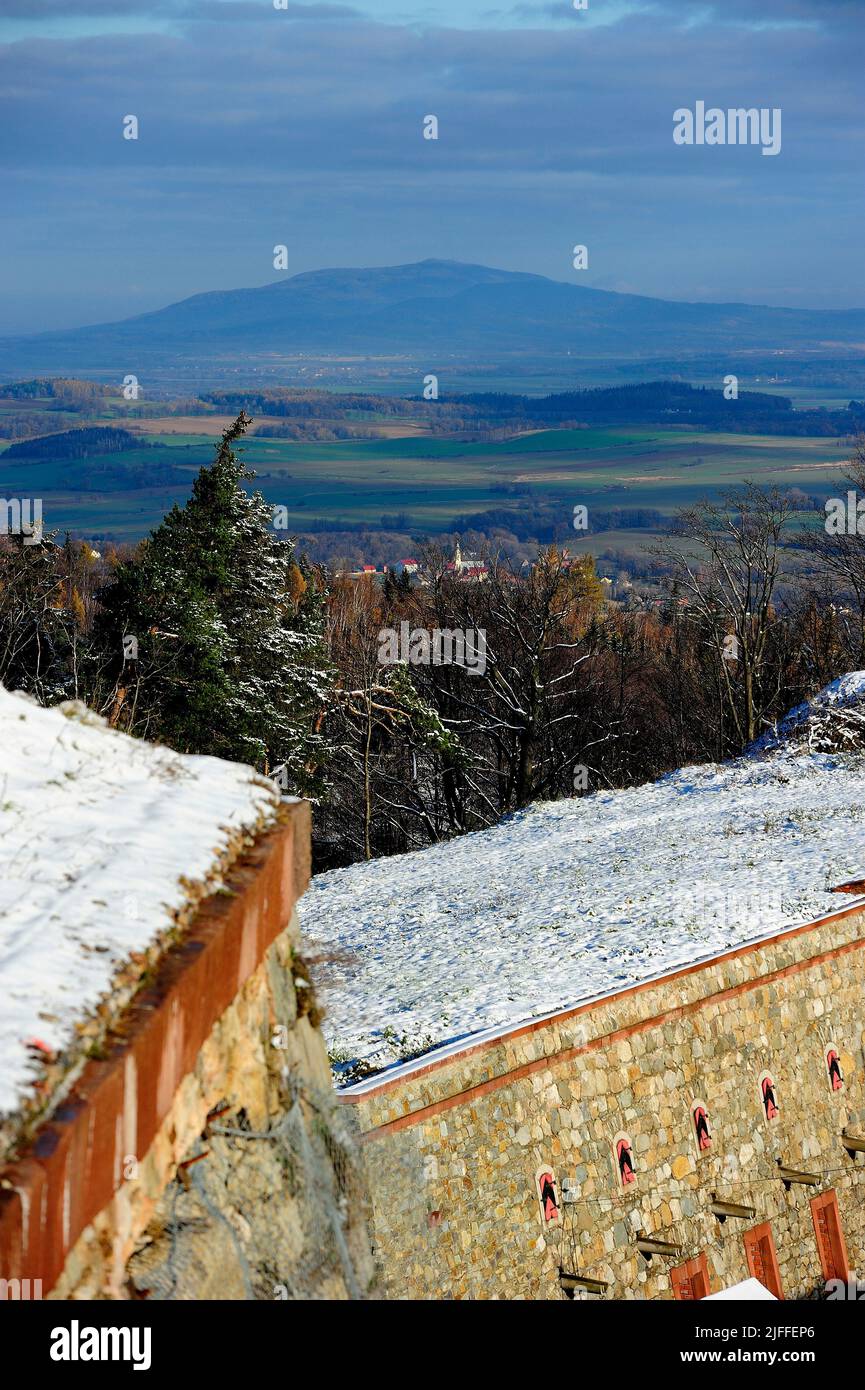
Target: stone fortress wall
(201, 1152)
(497, 1169)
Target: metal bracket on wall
(571, 1283)
(853, 1143)
(789, 1176)
(648, 1248)
(723, 1209)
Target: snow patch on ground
(96, 832)
(572, 899)
(840, 705)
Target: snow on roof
(749, 1291)
(570, 900)
(102, 838)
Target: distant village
(469, 567)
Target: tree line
(217, 636)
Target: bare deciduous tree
(725, 558)
(842, 553)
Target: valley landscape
(434, 482)
(356, 439)
(432, 671)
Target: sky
(303, 127)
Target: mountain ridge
(440, 307)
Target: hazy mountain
(437, 308)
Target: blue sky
(304, 127)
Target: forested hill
(76, 444)
(671, 402)
(661, 403)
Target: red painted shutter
(830, 1237)
(700, 1278)
(761, 1257)
(691, 1280)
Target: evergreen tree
(214, 632)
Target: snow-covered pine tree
(228, 655)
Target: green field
(431, 479)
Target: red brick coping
(73, 1167)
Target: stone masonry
(200, 1152)
(455, 1145)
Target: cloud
(182, 9)
(310, 132)
(73, 18)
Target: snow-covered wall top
(105, 842)
(573, 899)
